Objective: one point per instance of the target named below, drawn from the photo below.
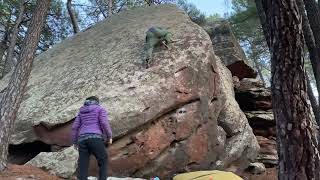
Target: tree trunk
(110, 7)
(9, 62)
(13, 95)
(72, 17)
(314, 18)
(311, 28)
(313, 101)
(314, 57)
(263, 20)
(296, 133)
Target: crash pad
(207, 175)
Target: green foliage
(57, 26)
(195, 14)
(214, 17)
(245, 20)
(247, 28)
(7, 9)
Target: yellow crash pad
(207, 175)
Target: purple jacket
(91, 119)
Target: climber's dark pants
(96, 147)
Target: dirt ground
(28, 172)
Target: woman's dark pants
(96, 147)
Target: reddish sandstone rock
(268, 151)
(197, 145)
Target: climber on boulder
(90, 130)
(156, 36)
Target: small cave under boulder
(49, 139)
(22, 153)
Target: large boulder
(169, 118)
(227, 47)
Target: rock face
(178, 115)
(234, 122)
(252, 96)
(255, 100)
(226, 46)
(63, 163)
(263, 123)
(268, 152)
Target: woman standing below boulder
(89, 132)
